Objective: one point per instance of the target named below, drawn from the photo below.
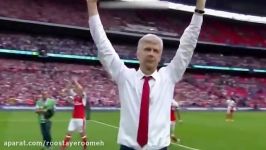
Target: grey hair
(152, 38)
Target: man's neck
(147, 72)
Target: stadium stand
(25, 80)
(74, 13)
(83, 47)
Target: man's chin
(151, 68)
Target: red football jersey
(173, 117)
(79, 107)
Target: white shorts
(231, 110)
(77, 125)
(173, 123)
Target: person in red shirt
(77, 122)
(174, 110)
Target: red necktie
(142, 137)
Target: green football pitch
(199, 130)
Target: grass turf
(200, 130)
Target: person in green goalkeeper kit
(45, 108)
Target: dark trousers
(46, 133)
(123, 147)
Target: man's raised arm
(188, 42)
(106, 53)
(92, 7)
(200, 5)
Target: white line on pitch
(104, 124)
(180, 145)
(183, 146)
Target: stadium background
(43, 43)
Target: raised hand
(200, 4)
(74, 78)
(92, 1)
(92, 7)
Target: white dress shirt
(130, 85)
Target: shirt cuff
(94, 19)
(197, 19)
